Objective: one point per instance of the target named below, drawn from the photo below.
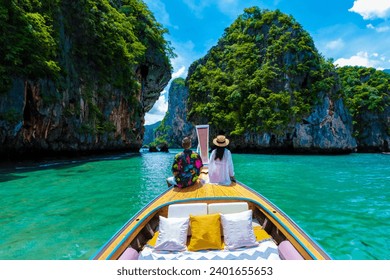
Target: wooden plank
(201, 192)
(186, 193)
(208, 190)
(218, 191)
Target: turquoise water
(69, 209)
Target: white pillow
(172, 234)
(238, 230)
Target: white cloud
(379, 29)
(335, 44)
(159, 109)
(162, 16)
(179, 73)
(186, 55)
(231, 8)
(383, 29)
(361, 59)
(370, 9)
(197, 6)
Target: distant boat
(276, 235)
(386, 153)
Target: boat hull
(142, 226)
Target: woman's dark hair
(219, 152)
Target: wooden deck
(207, 190)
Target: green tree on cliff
(28, 41)
(106, 37)
(364, 90)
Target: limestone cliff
(98, 99)
(326, 130)
(175, 126)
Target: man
(186, 166)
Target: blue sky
(351, 32)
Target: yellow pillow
(153, 240)
(260, 233)
(206, 232)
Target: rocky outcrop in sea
(266, 86)
(98, 100)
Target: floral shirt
(186, 168)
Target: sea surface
(68, 209)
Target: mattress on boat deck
(266, 250)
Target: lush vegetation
(28, 40)
(106, 38)
(364, 90)
(163, 132)
(114, 38)
(264, 73)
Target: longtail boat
(277, 236)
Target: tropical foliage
(364, 90)
(107, 38)
(28, 40)
(162, 133)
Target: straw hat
(221, 141)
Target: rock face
(374, 132)
(175, 126)
(326, 130)
(149, 134)
(81, 111)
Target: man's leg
(171, 182)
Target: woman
(221, 170)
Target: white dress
(220, 171)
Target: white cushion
(227, 208)
(238, 230)
(185, 210)
(172, 234)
